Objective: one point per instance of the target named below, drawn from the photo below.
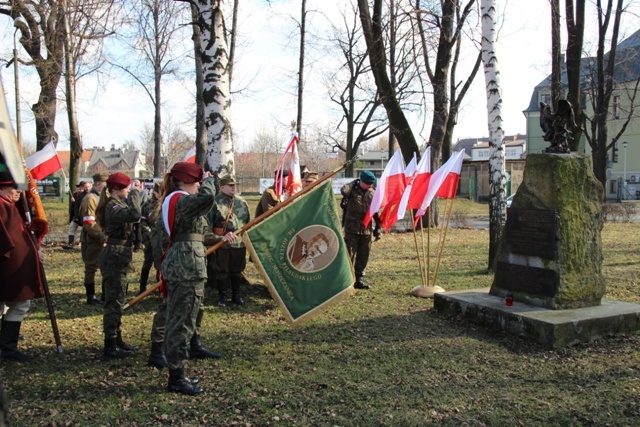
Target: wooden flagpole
(443, 235)
(430, 289)
(251, 224)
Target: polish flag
(417, 185)
(190, 157)
(294, 180)
(390, 184)
(293, 183)
(444, 182)
(44, 162)
(389, 213)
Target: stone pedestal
(551, 252)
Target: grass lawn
(380, 358)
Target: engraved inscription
(531, 280)
(531, 232)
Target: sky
(120, 111)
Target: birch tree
(216, 93)
(497, 202)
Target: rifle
(45, 284)
(249, 225)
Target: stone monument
(549, 265)
(551, 252)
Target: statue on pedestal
(554, 126)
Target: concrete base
(551, 328)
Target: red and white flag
(444, 182)
(390, 183)
(44, 162)
(417, 185)
(389, 213)
(294, 179)
(190, 157)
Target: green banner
(301, 255)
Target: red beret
(187, 172)
(118, 181)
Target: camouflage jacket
(120, 214)
(222, 222)
(186, 260)
(357, 206)
(90, 228)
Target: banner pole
(251, 224)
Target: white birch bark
(497, 196)
(217, 91)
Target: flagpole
(251, 224)
(444, 236)
(427, 291)
(415, 239)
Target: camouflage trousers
(358, 246)
(183, 304)
(158, 325)
(115, 262)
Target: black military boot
(178, 383)
(235, 290)
(123, 345)
(157, 358)
(112, 351)
(69, 244)
(361, 284)
(91, 294)
(198, 351)
(222, 285)
(9, 342)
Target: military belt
(188, 237)
(114, 241)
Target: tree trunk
(575, 37)
(372, 29)
(303, 29)
(556, 55)
(158, 169)
(201, 129)
(497, 202)
(75, 141)
(216, 93)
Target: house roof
(112, 158)
(507, 143)
(468, 143)
(627, 69)
(65, 156)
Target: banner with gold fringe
(301, 255)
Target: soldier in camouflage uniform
(231, 214)
(116, 215)
(92, 237)
(150, 210)
(157, 358)
(184, 266)
(357, 197)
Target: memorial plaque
(531, 280)
(531, 232)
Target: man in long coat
(20, 268)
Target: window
(616, 106)
(613, 186)
(546, 98)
